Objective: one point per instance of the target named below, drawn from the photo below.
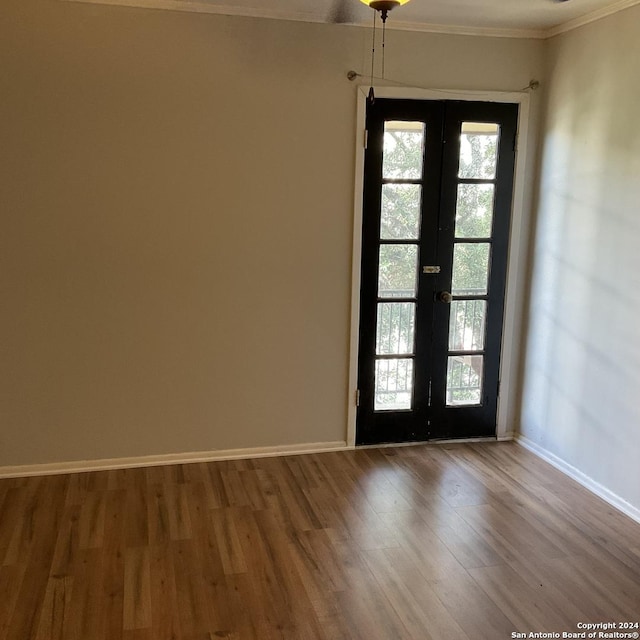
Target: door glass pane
(466, 325)
(474, 210)
(400, 215)
(470, 269)
(478, 150)
(464, 380)
(397, 273)
(394, 384)
(395, 328)
(403, 149)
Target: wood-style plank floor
(442, 542)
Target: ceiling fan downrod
(382, 7)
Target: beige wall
(583, 367)
(177, 223)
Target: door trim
(517, 255)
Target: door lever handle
(445, 296)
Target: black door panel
(437, 202)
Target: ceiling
(535, 18)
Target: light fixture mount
(381, 5)
(384, 6)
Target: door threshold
(387, 445)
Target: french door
(437, 205)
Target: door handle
(445, 296)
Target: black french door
(437, 205)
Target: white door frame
(512, 328)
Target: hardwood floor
(442, 542)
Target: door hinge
(366, 138)
(498, 390)
(357, 397)
(515, 142)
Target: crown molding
(593, 16)
(459, 30)
(201, 6)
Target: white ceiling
(537, 18)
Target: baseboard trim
(581, 478)
(80, 466)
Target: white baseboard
(602, 492)
(106, 464)
(78, 466)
